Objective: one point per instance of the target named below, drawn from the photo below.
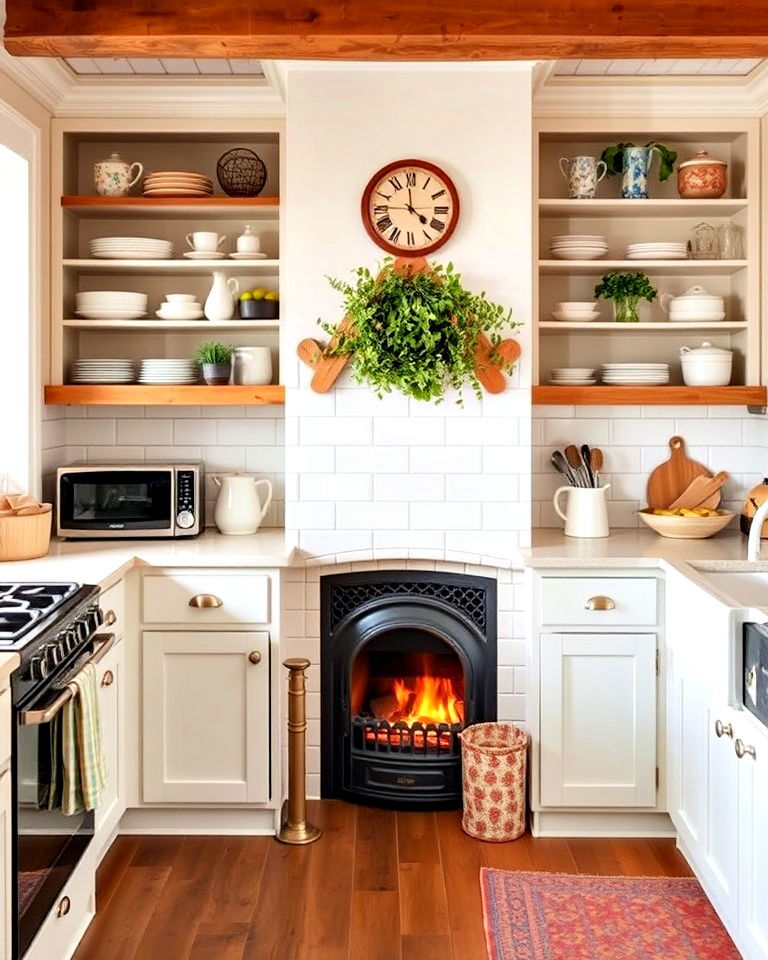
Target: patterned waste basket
(493, 763)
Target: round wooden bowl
(686, 528)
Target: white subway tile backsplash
(487, 488)
(446, 459)
(194, 431)
(371, 516)
(318, 431)
(371, 459)
(335, 487)
(90, 432)
(495, 432)
(640, 432)
(445, 516)
(409, 486)
(397, 431)
(246, 432)
(359, 403)
(145, 432)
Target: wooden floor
(377, 886)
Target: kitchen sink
(748, 588)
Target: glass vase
(625, 310)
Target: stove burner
(23, 604)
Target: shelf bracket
(757, 411)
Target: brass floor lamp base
(301, 833)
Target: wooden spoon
(573, 457)
(596, 463)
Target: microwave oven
(108, 500)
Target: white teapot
(239, 509)
(113, 177)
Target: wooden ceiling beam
(388, 29)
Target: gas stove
(26, 605)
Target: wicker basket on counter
(25, 537)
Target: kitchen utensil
(586, 512)
(248, 242)
(704, 242)
(587, 460)
(220, 303)
(706, 366)
(686, 528)
(730, 245)
(583, 174)
(596, 463)
(239, 509)
(702, 177)
(573, 457)
(205, 241)
(561, 465)
(671, 478)
(114, 177)
(702, 491)
(755, 498)
(252, 365)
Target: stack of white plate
(131, 248)
(657, 251)
(103, 371)
(177, 183)
(576, 311)
(168, 371)
(180, 306)
(110, 304)
(572, 376)
(635, 374)
(578, 246)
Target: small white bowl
(572, 373)
(577, 304)
(180, 297)
(575, 318)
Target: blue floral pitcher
(635, 166)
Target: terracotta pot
(702, 177)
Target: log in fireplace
(407, 660)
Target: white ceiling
(655, 68)
(166, 67)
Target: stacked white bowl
(110, 304)
(578, 246)
(694, 306)
(576, 311)
(180, 306)
(572, 376)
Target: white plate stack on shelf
(657, 251)
(103, 371)
(168, 371)
(572, 376)
(635, 374)
(180, 306)
(578, 246)
(576, 311)
(131, 248)
(177, 183)
(110, 305)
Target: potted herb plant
(626, 290)
(216, 360)
(415, 332)
(634, 164)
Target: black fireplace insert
(408, 659)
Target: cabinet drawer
(236, 598)
(70, 915)
(625, 601)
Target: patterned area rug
(553, 916)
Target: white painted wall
(393, 477)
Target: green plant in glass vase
(626, 290)
(415, 332)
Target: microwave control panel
(186, 507)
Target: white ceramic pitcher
(586, 513)
(220, 303)
(239, 509)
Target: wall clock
(410, 207)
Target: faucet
(753, 541)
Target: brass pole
(294, 827)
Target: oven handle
(32, 718)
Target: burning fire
(424, 699)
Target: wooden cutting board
(672, 477)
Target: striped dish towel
(85, 768)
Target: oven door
(755, 681)
(48, 844)
(115, 502)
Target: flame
(431, 700)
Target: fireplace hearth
(407, 660)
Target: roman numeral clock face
(410, 208)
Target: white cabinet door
(687, 751)
(598, 720)
(205, 726)
(6, 857)
(753, 846)
(111, 683)
(720, 840)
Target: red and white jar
(494, 763)
(702, 177)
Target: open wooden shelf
(151, 325)
(676, 329)
(556, 208)
(133, 394)
(87, 206)
(160, 266)
(651, 396)
(715, 268)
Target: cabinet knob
(110, 618)
(723, 729)
(205, 601)
(600, 603)
(108, 679)
(63, 908)
(742, 749)
(254, 656)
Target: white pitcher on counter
(586, 513)
(220, 303)
(239, 509)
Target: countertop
(106, 561)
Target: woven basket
(24, 538)
(493, 766)
(241, 173)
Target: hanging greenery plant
(416, 333)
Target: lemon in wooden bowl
(686, 524)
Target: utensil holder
(586, 513)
